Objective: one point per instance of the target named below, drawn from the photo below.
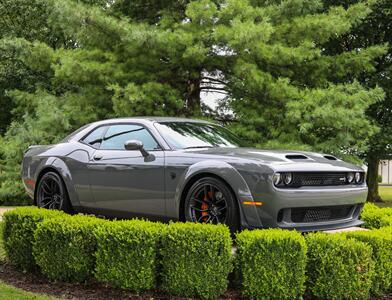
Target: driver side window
(117, 135)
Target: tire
(52, 193)
(210, 200)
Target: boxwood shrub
(375, 217)
(64, 248)
(338, 268)
(387, 229)
(126, 254)
(271, 264)
(381, 243)
(196, 259)
(18, 234)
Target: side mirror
(135, 145)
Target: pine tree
(100, 59)
(375, 29)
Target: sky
(211, 98)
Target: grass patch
(9, 292)
(386, 196)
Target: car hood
(283, 160)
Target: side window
(117, 135)
(94, 139)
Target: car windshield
(188, 135)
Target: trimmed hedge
(375, 217)
(381, 243)
(18, 234)
(271, 263)
(126, 254)
(387, 229)
(338, 268)
(64, 248)
(196, 259)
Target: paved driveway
(3, 210)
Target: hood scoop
(330, 157)
(296, 156)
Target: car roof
(147, 121)
(151, 119)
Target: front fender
(248, 214)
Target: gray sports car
(182, 169)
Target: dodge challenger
(191, 170)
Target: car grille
(318, 179)
(319, 214)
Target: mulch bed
(36, 283)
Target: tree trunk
(372, 179)
(193, 97)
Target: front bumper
(279, 207)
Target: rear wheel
(52, 194)
(209, 200)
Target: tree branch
(218, 92)
(214, 79)
(213, 88)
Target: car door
(125, 180)
(78, 163)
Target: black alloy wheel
(51, 193)
(209, 200)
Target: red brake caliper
(204, 206)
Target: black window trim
(108, 125)
(81, 140)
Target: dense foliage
(280, 257)
(64, 248)
(196, 260)
(338, 268)
(375, 29)
(66, 63)
(381, 243)
(19, 228)
(127, 253)
(375, 217)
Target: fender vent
(330, 157)
(296, 156)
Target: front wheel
(52, 194)
(209, 200)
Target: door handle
(97, 157)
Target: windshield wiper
(195, 147)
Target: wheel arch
(41, 173)
(60, 168)
(44, 171)
(219, 170)
(191, 181)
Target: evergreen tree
(126, 58)
(22, 21)
(375, 29)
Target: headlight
(357, 177)
(276, 178)
(350, 177)
(287, 178)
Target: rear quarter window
(94, 138)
